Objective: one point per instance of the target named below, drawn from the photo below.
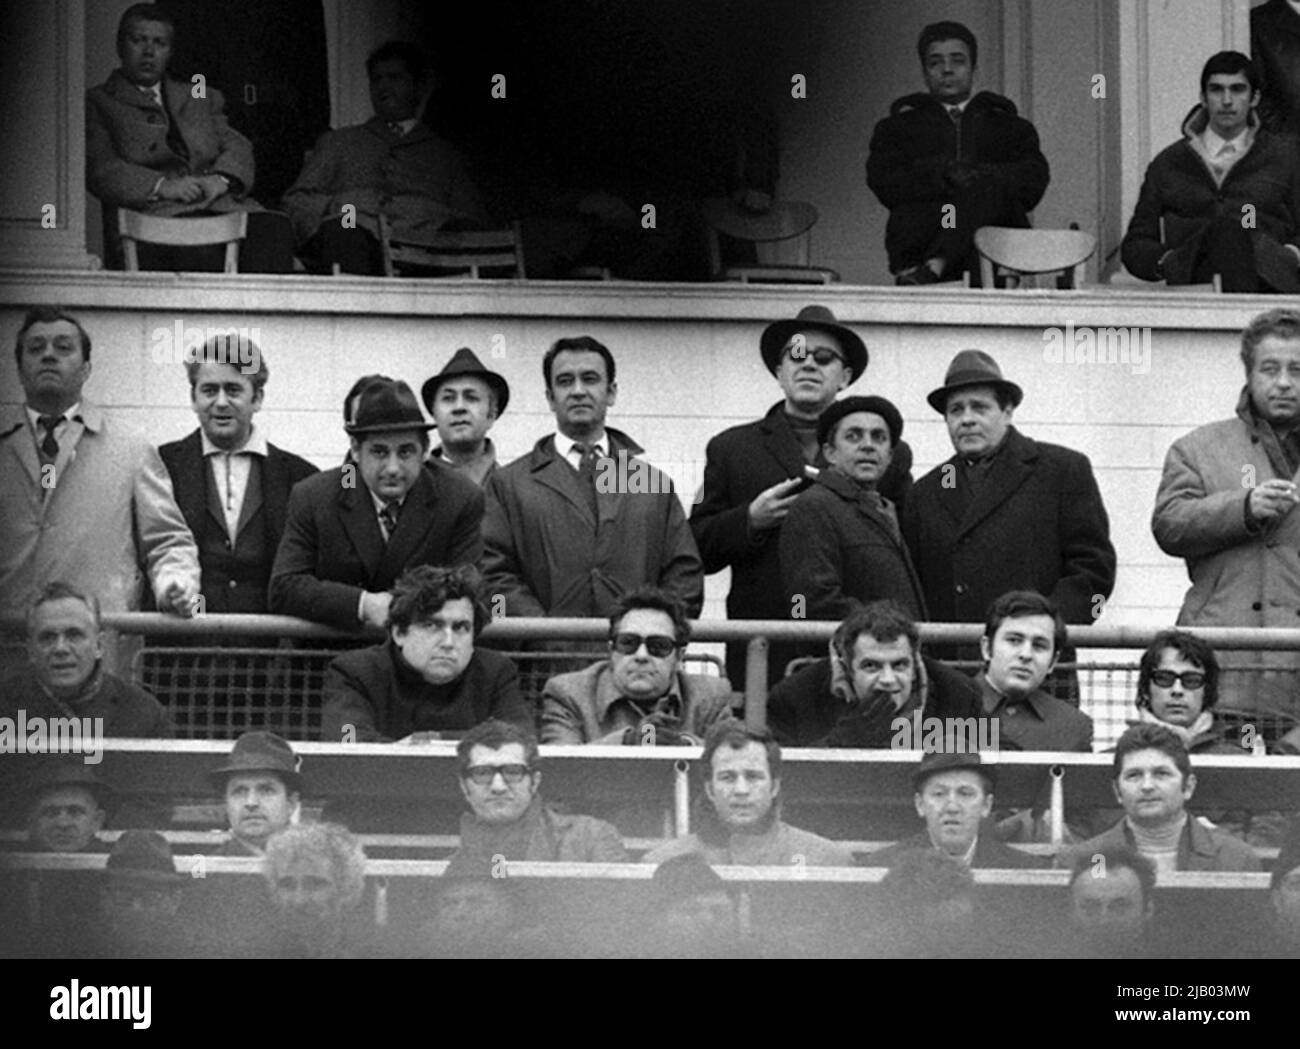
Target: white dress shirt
(230, 470)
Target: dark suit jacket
(1039, 722)
(839, 551)
(1037, 523)
(332, 547)
(191, 477)
(383, 698)
(990, 852)
(802, 711)
(740, 463)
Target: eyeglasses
(1190, 679)
(821, 356)
(483, 775)
(658, 646)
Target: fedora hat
(935, 761)
(815, 318)
(51, 774)
(143, 855)
(386, 406)
(972, 368)
(261, 752)
(839, 409)
(464, 362)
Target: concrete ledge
(1121, 306)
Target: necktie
(955, 113)
(587, 472)
(50, 445)
(388, 515)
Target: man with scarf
(1227, 503)
(741, 824)
(874, 675)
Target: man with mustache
(841, 545)
(1227, 505)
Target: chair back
(228, 229)
(1030, 252)
(454, 254)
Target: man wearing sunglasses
(753, 473)
(507, 818)
(638, 695)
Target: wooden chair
(1020, 253)
(454, 254)
(782, 239)
(228, 229)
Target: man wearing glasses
(754, 472)
(507, 818)
(637, 696)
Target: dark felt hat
(52, 772)
(813, 318)
(946, 761)
(972, 368)
(689, 874)
(261, 752)
(386, 406)
(464, 362)
(839, 409)
(143, 855)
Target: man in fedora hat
(465, 399)
(262, 788)
(754, 472)
(67, 806)
(1004, 512)
(954, 795)
(353, 530)
(841, 546)
(140, 900)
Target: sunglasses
(821, 356)
(483, 775)
(1190, 679)
(658, 646)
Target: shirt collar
(34, 416)
(1034, 701)
(379, 504)
(564, 445)
(154, 91)
(255, 445)
(1213, 143)
(607, 693)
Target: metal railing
(292, 675)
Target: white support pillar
(43, 164)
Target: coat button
(1256, 607)
(961, 588)
(232, 584)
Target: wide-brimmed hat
(51, 773)
(143, 855)
(935, 761)
(972, 368)
(386, 406)
(261, 752)
(839, 409)
(816, 318)
(464, 362)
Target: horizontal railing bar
(704, 630)
(382, 868)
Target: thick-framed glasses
(483, 775)
(1190, 679)
(657, 645)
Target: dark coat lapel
(413, 525)
(549, 470)
(356, 512)
(1012, 467)
(780, 441)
